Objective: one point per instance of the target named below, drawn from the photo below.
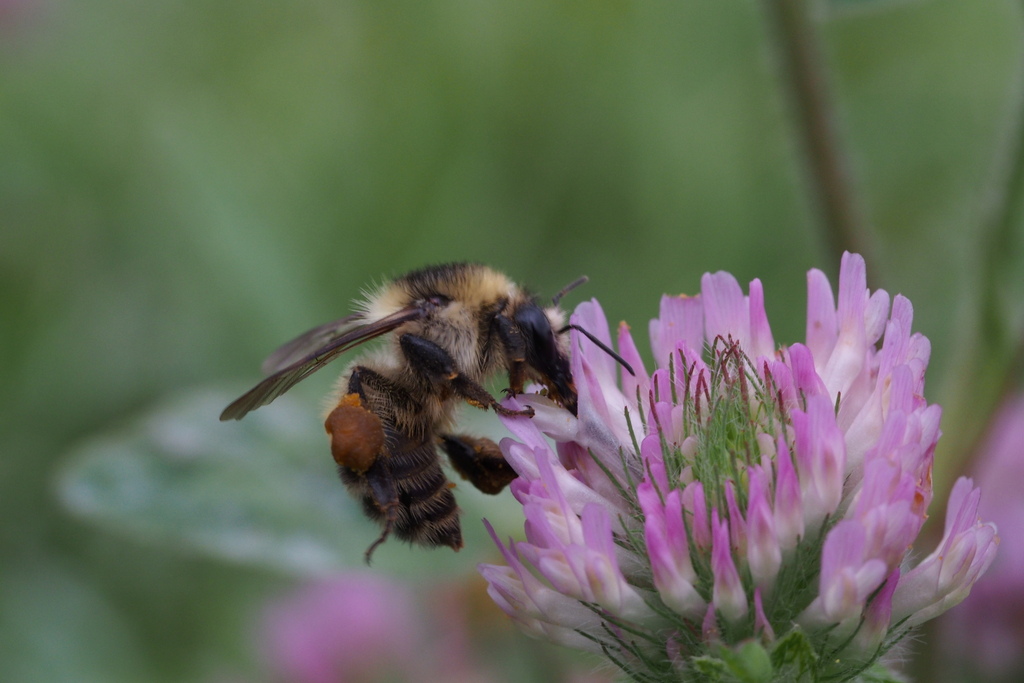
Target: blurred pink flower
(365, 628)
(988, 633)
(357, 628)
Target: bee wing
(307, 343)
(284, 379)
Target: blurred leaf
(263, 490)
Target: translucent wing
(287, 377)
(307, 343)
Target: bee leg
(434, 362)
(363, 378)
(515, 353)
(385, 495)
(479, 460)
(357, 444)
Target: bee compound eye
(439, 301)
(536, 330)
(357, 435)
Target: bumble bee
(449, 329)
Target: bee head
(545, 355)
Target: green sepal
(748, 663)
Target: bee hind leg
(478, 460)
(388, 525)
(384, 494)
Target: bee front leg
(515, 353)
(479, 460)
(436, 363)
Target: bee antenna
(601, 345)
(568, 288)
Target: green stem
(809, 92)
(998, 357)
(999, 351)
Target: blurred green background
(184, 185)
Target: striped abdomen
(408, 476)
